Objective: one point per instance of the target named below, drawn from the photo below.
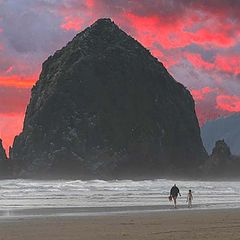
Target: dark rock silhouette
(3, 155)
(227, 128)
(5, 168)
(105, 107)
(222, 163)
(221, 152)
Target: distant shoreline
(104, 211)
(170, 178)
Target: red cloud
(90, 3)
(206, 105)
(150, 30)
(222, 63)
(228, 103)
(228, 64)
(214, 34)
(72, 23)
(18, 81)
(197, 61)
(199, 94)
(158, 29)
(13, 100)
(154, 31)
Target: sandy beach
(174, 224)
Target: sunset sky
(198, 41)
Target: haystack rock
(104, 107)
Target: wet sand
(174, 224)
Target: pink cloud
(228, 103)
(229, 64)
(13, 100)
(197, 61)
(18, 81)
(72, 23)
(222, 63)
(200, 94)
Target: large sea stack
(104, 107)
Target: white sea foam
(24, 194)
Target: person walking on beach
(174, 194)
(189, 198)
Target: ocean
(35, 194)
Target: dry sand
(175, 224)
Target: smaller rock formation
(222, 163)
(221, 153)
(226, 128)
(3, 155)
(5, 168)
